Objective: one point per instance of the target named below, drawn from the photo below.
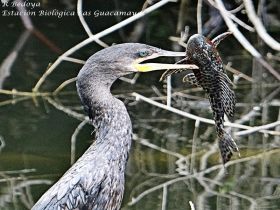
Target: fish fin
(227, 95)
(220, 37)
(226, 145)
(191, 78)
(174, 71)
(170, 72)
(224, 77)
(228, 99)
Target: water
(171, 161)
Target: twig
(208, 189)
(247, 117)
(73, 139)
(24, 18)
(188, 96)
(81, 17)
(255, 129)
(67, 110)
(232, 27)
(271, 56)
(199, 175)
(168, 91)
(240, 160)
(237, 9)
(2, 143)
(147, 182)
(183, 8)
(155, 147)
(74, 60)
(19, 171)
(177, 111)
(194, 145)
(61, 86)
(139, 197)
(238, 73)
(203, 160)
(8, 62)
(192, 205)
(84, 24)
(243, 41)
(131, 81)
(14, 101)
(164, 197)
(46, 41)
(156, 90)
(191, 116)
(269, 97)
(146, 4)
(181, 41)
(259, 26)
(254, 203)
(269, 68)
(231, 16)
(22, 93)
(198, 17)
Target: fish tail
(226, 145)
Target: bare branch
(73, 140)
(256, 129)
(84, 24)
(61, 86)
(198, 17)
(230, 15)
(191, 116)
(238, 73)
(67, 110)
(259, 26)
(81, 17)
(243, 41)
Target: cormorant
(96, 180)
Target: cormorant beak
(146, 67)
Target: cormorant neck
(93, 87)
(108, 114)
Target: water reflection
(167, 167)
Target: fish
(212, 78)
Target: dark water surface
(172, 162)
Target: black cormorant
(96, 180)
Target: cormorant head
(126, 58)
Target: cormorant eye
(143, 53)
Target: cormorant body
(96, 180)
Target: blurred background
(174, 162)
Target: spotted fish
(211, 76)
